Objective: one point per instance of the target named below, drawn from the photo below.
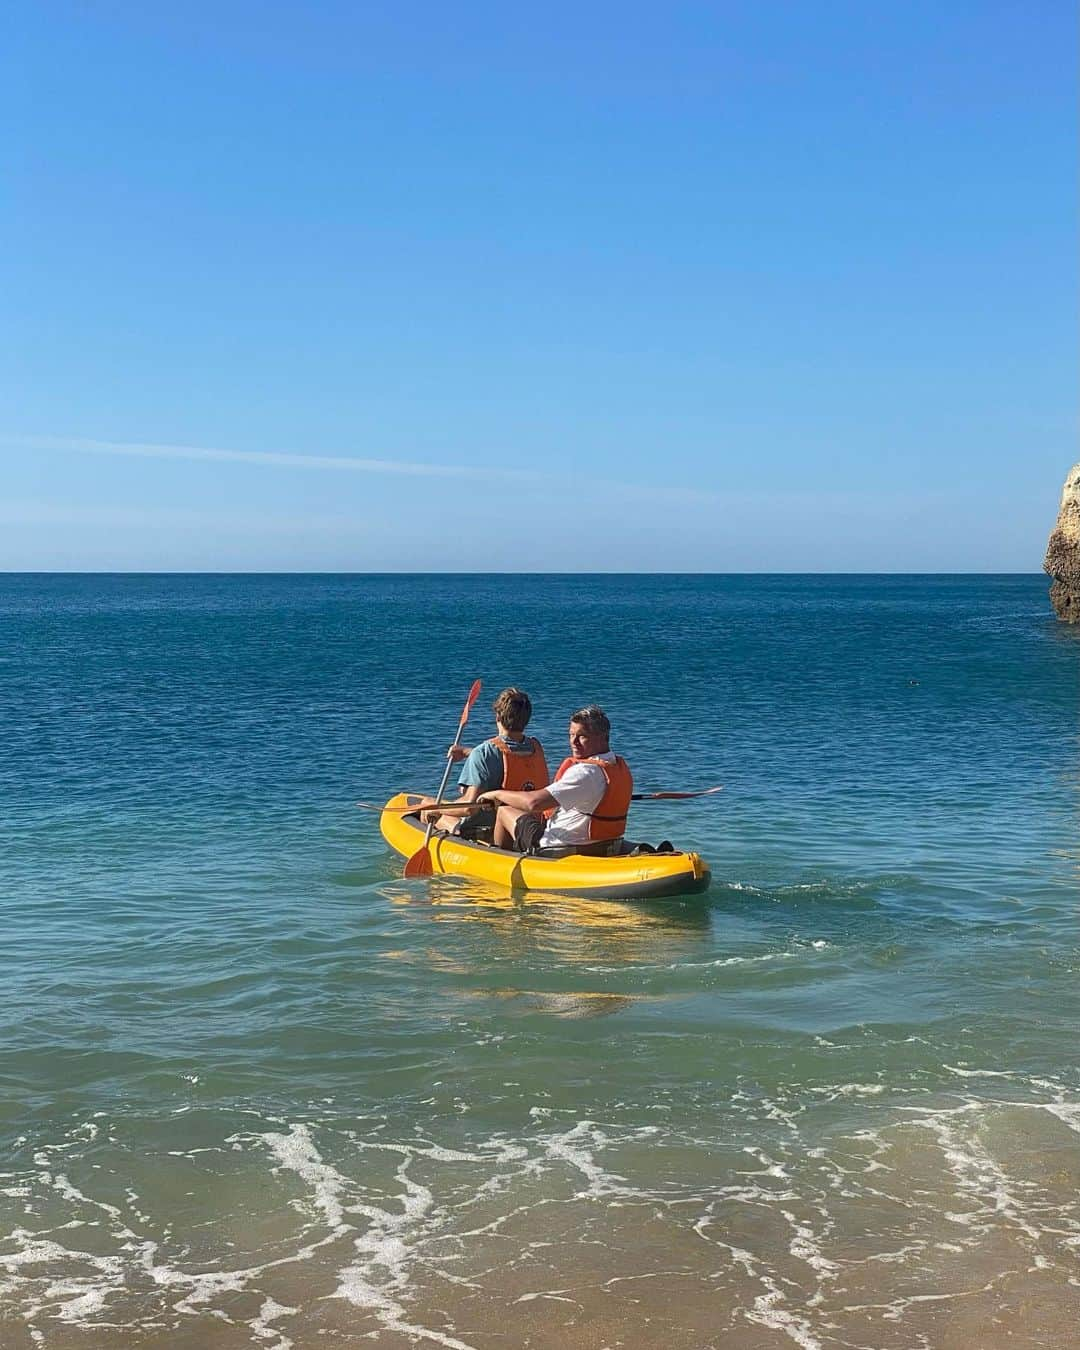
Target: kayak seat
(600, 848)
(665, 846)
(605, 848)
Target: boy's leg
(450, 824)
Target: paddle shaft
(458, 805)
(473, 692)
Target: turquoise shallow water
(260, 1091)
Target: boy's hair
(593, 718)
(513, 708)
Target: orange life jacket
(608, 820)
(523, 772)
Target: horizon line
(462, 572)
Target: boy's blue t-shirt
(483, 768)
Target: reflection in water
(579, 1003)
(493, 945)
(634, 929)
(560, 1003)
(466, 891)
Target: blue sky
(719, 287)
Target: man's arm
(444, 821)
(540, 800)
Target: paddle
(454, 805)
(451, 804)
(419, 865)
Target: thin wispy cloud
(275, 458)
(855, 502)
(673, 494)
(108, 516)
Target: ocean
(260, 1091)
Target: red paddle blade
(474, 694)
(419, 865)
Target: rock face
(1062, 560)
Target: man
(587, 804)
(509, 759)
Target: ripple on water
(778, 1214)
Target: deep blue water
(260, 1091)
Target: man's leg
(506, 819)
(516, 829)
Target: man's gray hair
(593, 718)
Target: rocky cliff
(1062, 560)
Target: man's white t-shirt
(578, 792)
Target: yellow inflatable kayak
(624, 877)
